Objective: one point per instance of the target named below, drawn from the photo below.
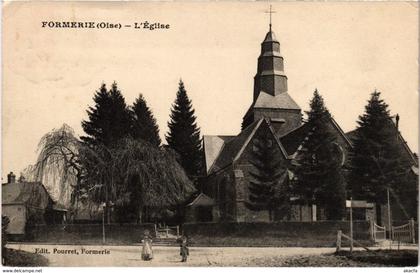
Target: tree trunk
(140, 215)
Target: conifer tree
(317, 107)
(376, 163)
(268, 190)
(319, 174)
(184, 135)
(144, 124)
(109, 120)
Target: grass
(14, 257)
(380, 258)
(384, 257)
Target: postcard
(210, 134)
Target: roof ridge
(258, 123)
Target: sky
(345, 50)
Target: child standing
(184, 251)
(147, 252)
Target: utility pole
(103, 222)
(389, 218)
(351, 224)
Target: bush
(15, 257)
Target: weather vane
(270, 12)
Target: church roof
(212, 147)
(281, 101)
(353, 134)
(232, 147)
(293, 139)
(202, 200)
(270, 37)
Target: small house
(28, 203)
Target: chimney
(11, 178)
(397, 120)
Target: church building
(274, 115)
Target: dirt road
(70, 255)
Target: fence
(166, 231)
(379, 233)
(404, 233)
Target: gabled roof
(233, 148)
(201, 200)
(212, 146)
(415, 170)
(353, 134)
(335, 124)
(25, 193)
(293, 139)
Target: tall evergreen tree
(109, 120)
(319, 173)
(144, 124)
(376, 163)
(317, 107)
(268, 190)
(184, 134)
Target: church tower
(271, 99)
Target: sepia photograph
(210, 134)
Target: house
(200, 209)
(28, 203)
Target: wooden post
(338, 243)
(177, 231)
(156, 233)
(351, 224)
(389, 214)
(103, 224)
(412, 231)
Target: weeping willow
(57, 165)
(129, 172)
(137, 173)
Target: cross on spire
(270, 12)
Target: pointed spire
(270, 12)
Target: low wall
(321, 233)
(87, 233)
(304, 234)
